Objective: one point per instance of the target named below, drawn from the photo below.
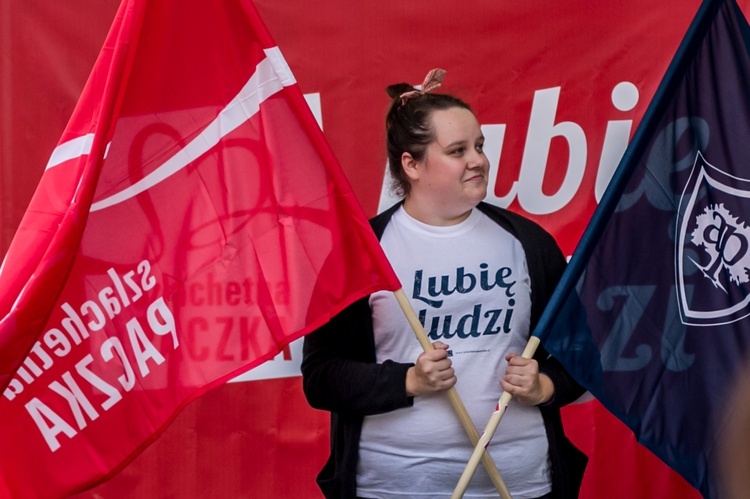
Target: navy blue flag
(652, 314)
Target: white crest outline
(702, 170)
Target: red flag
(191, 222)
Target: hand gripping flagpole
(489, 430)
(458, 406)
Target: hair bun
(395, 90)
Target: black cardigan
(340, 373)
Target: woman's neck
(436, 217)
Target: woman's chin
(478, 194)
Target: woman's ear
(409, 164)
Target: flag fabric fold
(651, 315)
(190, 224)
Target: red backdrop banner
(559, 89)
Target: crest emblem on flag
(713, 247)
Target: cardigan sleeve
(546, 264)
(339, 372)
(567, 389)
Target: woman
(478, 278)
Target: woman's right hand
(433, 372)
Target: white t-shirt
(470, 287)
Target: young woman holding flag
(478, 278)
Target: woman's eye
(458, 152)
(480, 147)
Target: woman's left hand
(523, 381)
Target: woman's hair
(409, 129)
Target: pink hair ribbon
(432, 81)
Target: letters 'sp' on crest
(713, 247)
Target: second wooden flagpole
(489, 430)
(455, 400)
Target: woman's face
(451, 179)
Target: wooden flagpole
(489, 430)
(455, 400)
